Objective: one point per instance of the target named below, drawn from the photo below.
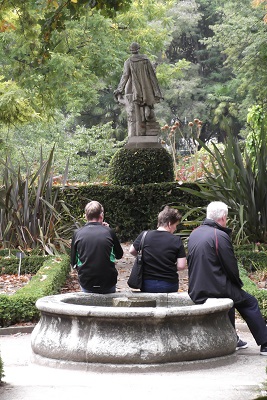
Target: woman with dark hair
(163, 254)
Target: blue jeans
(111, 290)
(156, 286)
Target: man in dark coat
(94, 248)
(213, 272)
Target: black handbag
(136, 275)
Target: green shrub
(131, 209)
(29, 264)
(30, 211)
(252, 260)
(252, 247)
(239, 179)
(141, 166)
(20, 307)
(260, 294)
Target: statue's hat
(134, 46)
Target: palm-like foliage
(30, 211)
(240, 181)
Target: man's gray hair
(93, 210)
(217, 210)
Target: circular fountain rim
(93, 336)
(57, 304)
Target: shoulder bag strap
(142, 243)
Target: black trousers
(250, 312)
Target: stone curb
(13, 330)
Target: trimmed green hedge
(130, 209)
(140, 166)
(20, 307)
(29, 264)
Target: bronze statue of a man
(138, 91)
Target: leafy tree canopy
(53, 15)
(81, 59)
(241, 36)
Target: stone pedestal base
(143, 142)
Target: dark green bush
(29, 264)
(255, 247)
(131, 209)
(141, 166)
(20, 307)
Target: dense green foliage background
(61, 61)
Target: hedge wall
(29, 264)
(130, 209)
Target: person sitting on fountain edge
(163, 254)
(94, 248)
(213, 273)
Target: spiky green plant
(240, 181)
(30, 212)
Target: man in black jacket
(213, 272)
(94, 248)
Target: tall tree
(53, 15)
(188, 98)
(241, 36)
(84, 51)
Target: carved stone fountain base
(131, 328)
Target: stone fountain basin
(131, 328)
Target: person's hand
(105, 224)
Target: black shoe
(243, 345)
(263, 349)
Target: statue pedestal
(150, 141)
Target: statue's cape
(145, 85)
